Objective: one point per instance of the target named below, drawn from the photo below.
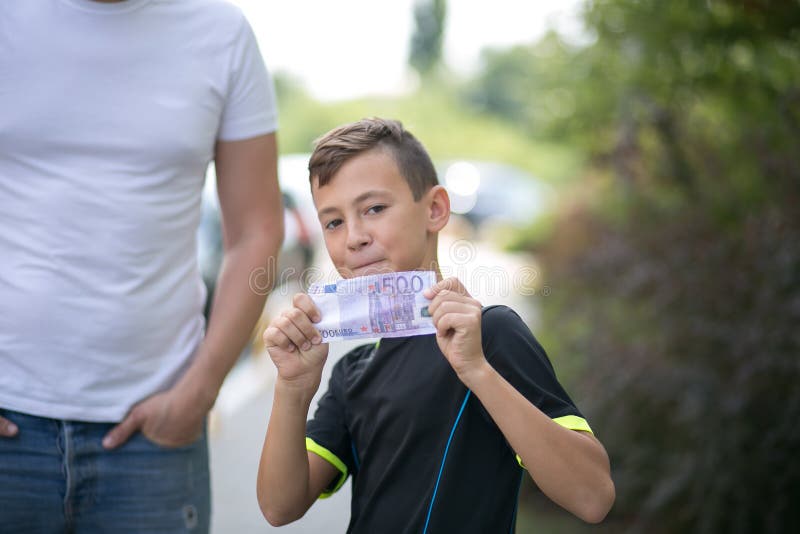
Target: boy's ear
(438, 208)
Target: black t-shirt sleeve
(326, 432)
(514, 352)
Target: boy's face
(370, 221)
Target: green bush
(691, 351)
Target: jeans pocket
(140, 438)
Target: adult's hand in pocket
(7, 428)
(169, 419)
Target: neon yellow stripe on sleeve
(331, 458)
(572, 422)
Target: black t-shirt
(424, 454)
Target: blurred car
(300, 229)
(487, 192)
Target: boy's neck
(434, 266)
(431, 263)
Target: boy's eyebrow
(359, 199)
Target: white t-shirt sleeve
(250, 106)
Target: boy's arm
(289, 478)
(570, 467)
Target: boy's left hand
(457, 318)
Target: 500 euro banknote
(380, 305)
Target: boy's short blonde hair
(339, 145)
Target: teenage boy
(434, 429)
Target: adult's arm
(252, 222)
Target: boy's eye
(376, 209)
(330, 225)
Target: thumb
(123, 431)
(7, 428)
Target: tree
(428, 37)
(699, 97)
(677, 284)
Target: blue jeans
(56, 477)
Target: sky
(350, 48)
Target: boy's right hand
(295, 345)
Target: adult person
(110, 112)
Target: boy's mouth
(373, 267)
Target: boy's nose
(357, 238)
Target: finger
(446, 307)
(445, 325)
(303, 323)
(123, 431)
(451, 296)
(294, 334)
(447, 295)
(449, 284)
(461, 305)
(274, 337)
(306, 304)
(455, 322)
(7, 428)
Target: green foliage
(667, 96)
(428, 36)
(446, 127)
(688, 335)
(302, 118)
(542, 516)
(675, 264)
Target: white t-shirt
(109, 113)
